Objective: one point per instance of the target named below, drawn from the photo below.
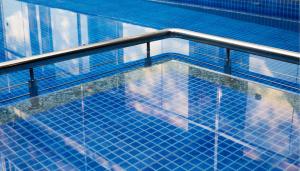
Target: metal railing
(230, 44)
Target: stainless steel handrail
(229, 44)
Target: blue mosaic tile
(115, 123)
(90, 25)
(280, 9)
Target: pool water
(282, 33)
(168, 116)
(38, 27)
(110, 111)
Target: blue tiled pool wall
(129, 138)
(283, 9)
(56, 79)
(275, 73)
(53, 77)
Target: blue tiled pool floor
(170, 116)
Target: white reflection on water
(137, 52)
(274, 68)
(272, 120)
(162, 92)
(16, 28)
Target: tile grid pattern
(7, 82)
(110, 127)
(287, 9)
(204, 56)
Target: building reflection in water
(259, 118)
(29, 29)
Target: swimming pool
(132, 121)
(257, 29)
(48, 27)
(114, 111)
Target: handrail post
(33, 89)
(148, 60)
(227, 66)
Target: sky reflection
(246, 117)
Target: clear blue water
(276, 33)
(170, 116)
(288, 9)
(30, 29)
